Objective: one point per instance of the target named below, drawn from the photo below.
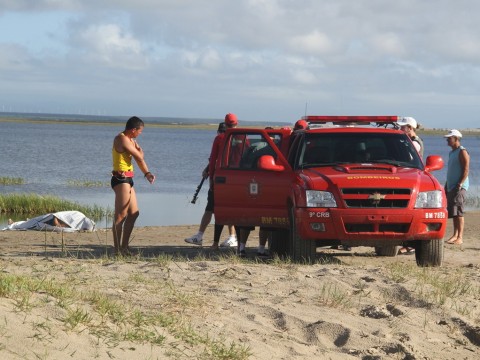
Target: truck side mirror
(434, 162)
(267, 162)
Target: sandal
(406, 251)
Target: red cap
(300, 125)
(231, 119)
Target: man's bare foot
(452, 240)
(215, 246)
(459, 241)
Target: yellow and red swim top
(122, 161)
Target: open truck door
(252, 178)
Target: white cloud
(110, 45)
(14, 59)
(210, 60)
(314, 43)
(39, 5)
(337, 55)
(304, 77)
(389, 44)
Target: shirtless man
(126, 208)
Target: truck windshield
(326, 149)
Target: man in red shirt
(231, 121)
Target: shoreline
(200, 125)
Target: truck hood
(368, 176)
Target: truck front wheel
(429, 252)
(300, 249)
(390, 250)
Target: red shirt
(212, 160)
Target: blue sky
(262, 59)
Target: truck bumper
(366, 226)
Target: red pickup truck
(345, 180)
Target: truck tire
(300, 250)
(391, 250)
(278, 243)
(429, 252)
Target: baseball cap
(453, 132)
(300, 125)
(222, 127)
(407, 121)
(231, 119)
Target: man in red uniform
(231, 121)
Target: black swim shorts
(121, 180)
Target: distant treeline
(102, 120)
(195, 123)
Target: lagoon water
(50, 156)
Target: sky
(265, 60)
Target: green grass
(434, 286)
(76, 317)
(332, 296)
(11, 181)
(113, 320)
(161, 316)
(35, 205)
(87, 183)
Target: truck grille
(376, 198)
(373, 228)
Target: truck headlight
(320, 199)
(429, 199)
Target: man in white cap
(457, 184)
(408, 125)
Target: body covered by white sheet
(73, 220)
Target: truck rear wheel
(429, 252)
(300, 249)
(278, 243)
(391, 250)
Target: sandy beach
(66, 296)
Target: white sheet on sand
(74, 220)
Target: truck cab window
(244, 150)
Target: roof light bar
(387, 119)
